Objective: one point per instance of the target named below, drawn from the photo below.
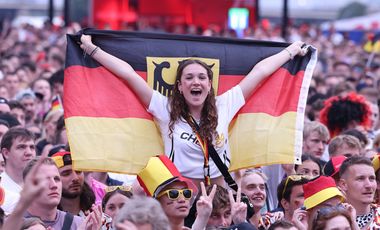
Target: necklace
(363, 220)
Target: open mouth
(196, 92)
(258, 198)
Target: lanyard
(204, 147)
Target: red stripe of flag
(109, 92)
(100, 88)
(280, 94)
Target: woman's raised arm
(269, 65)
(120, 68)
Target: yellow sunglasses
(120, 187)
(173, 194)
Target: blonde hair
(258, 172)
(351, 141)
(315, 126)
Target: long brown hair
(180, 110)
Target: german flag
(56, 103)
(110, 130)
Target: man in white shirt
(17, 148)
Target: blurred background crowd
(345, 33)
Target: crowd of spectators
(337, 180)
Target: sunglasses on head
(120, 187)
(295, 177)
(173, 194)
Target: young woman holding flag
(193, 117)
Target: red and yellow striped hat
(158, 173)
(319, 190)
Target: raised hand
(300, 219)
(204, 207)
(86, 44)
(238, 208)
(204, 204)
(352, 212)
(297, 48)
(93, 221)
(33, 186)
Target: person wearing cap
(77, 196)
(358, 182)
(161, 180)
(315, 138)
(290, 194)
(332, 167)
(318, 193)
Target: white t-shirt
(183, 148)
(12, 193)
(10, 201)
(8, 183)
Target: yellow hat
(158, 173)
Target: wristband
(290, 54)
(94, 51)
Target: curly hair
(180, 110)
(339, 112)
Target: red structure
(114, 14)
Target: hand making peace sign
(238, 208)
(204, 204)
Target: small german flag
(56, 103)
(110, 130)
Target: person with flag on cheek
(162, 180)
(193, 104)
